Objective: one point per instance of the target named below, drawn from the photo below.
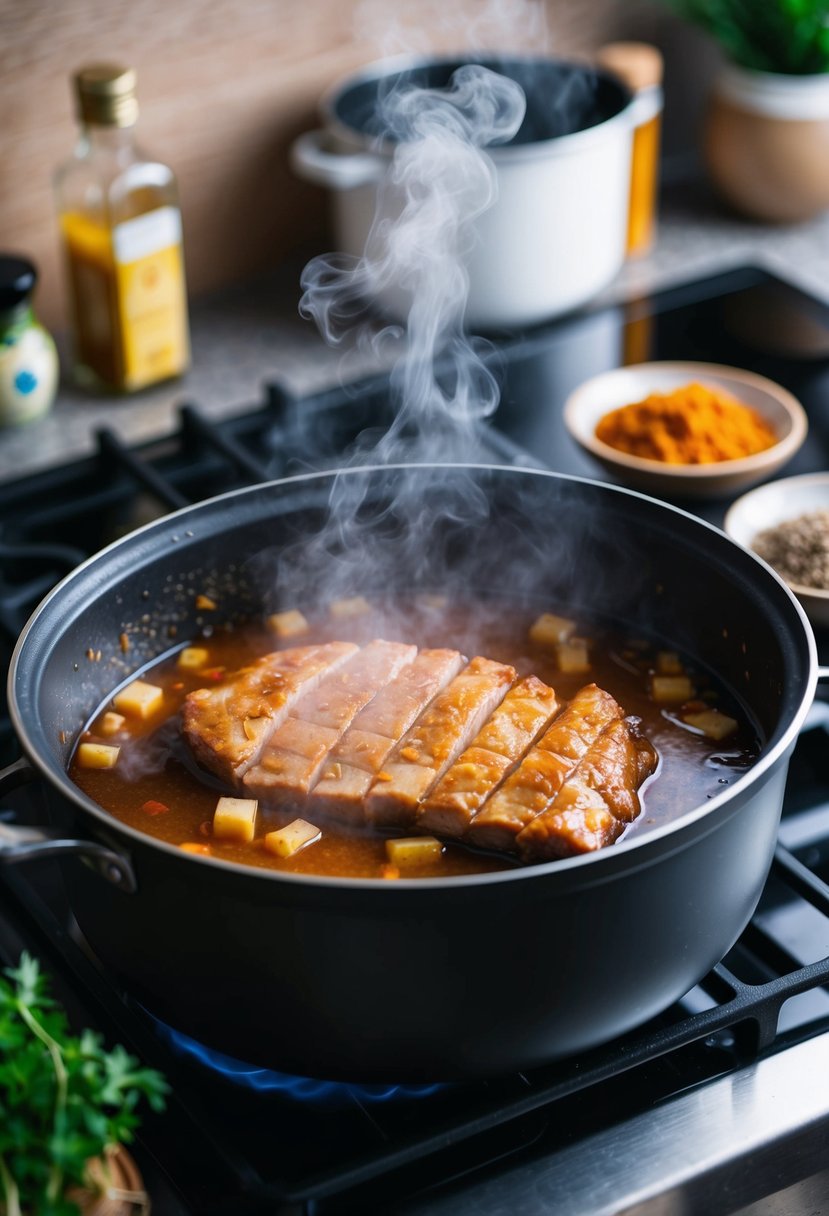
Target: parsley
(63, 1099)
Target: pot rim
(624, 853)
(559, 145)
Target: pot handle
(18, 843)
(313, 161)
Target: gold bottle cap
(105, 95)
(637, 64)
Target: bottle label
(152, 309)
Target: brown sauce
(155, 766)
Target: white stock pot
(556, 233)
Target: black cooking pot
(417, 979)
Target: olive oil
(121, 233)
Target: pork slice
(227, 727)
(295, 753)
(396, 707)
(363, 749)
(440, 733)
(596, 801)
(341, 697)
(536, 782)
(497, 748)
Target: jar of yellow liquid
(121, 230)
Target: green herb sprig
(63, 1099)
(786, 36)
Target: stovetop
(670, 1118)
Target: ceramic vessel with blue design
(28, 359)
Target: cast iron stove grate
(231, 1150)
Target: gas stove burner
(307, 1090)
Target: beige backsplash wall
(224, 87)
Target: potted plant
(766, 135)
(67, 1106)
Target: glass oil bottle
(121, 232)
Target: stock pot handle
(18, 843)
(316, 163)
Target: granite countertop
(251, 333)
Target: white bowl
(772, 504)
(625, 385)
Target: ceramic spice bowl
(625, 385)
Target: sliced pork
(543, 771)
(425, 743)
(292, 759)
(227, 727)
(439, 735)
(597, 801)
(453, 803)
(363, 749)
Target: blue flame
(301, 1089)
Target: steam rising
(439, 181)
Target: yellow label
(129, 297)
(150, 288)
(152, 313)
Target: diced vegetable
(97, 755)
(573, 656)
(193, 658)
(670, 690)
(668, 663)
(287, 841)
(712, 723)
(139, 699)
(550, 629)
(192, 846)
(154, 808)
(410, 851)
(111, 723)
(205, 604)
(356, 606)
(235, 819)
(287, 624)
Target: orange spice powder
(691, 425)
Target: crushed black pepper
(798, 549)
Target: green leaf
(63, 1098)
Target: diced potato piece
(139, 699)
(287, 624)
(712, 723)
(111, 723)
(668, 690)
(205, 604)
(97, 755)
(193, 658)
(668, 663)
(411, 851)
(192, 846)
(289, 840)
(235, 819)
(573, 657)
(550, 629)
(356, 606)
